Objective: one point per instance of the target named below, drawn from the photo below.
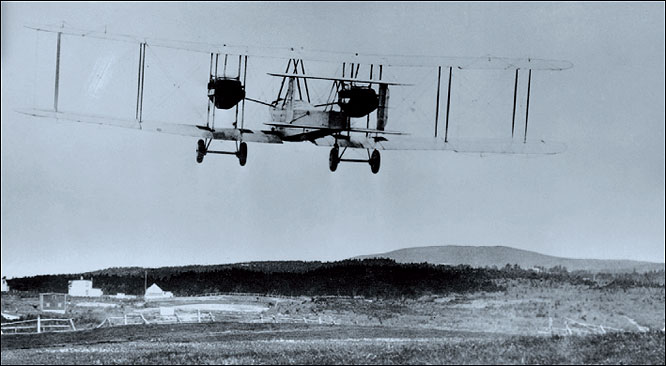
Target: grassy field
(236, 343)
(518, 325)
(525, 308)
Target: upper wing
(431, 143)
(484, 62)
(163, 127)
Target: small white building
(83, 288)
(5, 287)
(155, 292)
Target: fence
(38, 325)
(136, 319)
(128, 319)
(255, 294)
(276, 318)
(572, 327)
(201, 317)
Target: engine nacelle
(225, 92)
(358, 101)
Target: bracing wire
(175, 83)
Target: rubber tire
(333, 159)
(201, 147)
(375, 162)
(242, 154)
(200, 158)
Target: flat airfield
(535, 323)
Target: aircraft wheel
(375, 160)
(242, 153)
(333, 159)
(201, 151)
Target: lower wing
(163, 127)
(432, 143)
(361, 142)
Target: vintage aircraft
(294, 118)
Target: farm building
(5, 287)
(83, 288)
(53, 302)
(155, 292)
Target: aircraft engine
(358, 101)
(225, 92)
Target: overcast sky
(81, 197)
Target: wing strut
(439, 84)
(240, 59)
(527, 109)
(283, 79)
(298, 81)
(244, 86)
(217, 59)
(210, 78)
(448, 105)
(515, 95)
(57, 74)
(305, 82)
(139, 82)
(367, 120)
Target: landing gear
(201, 151)
(335, 157)
(375, 160)
(240, 153)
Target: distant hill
(500, 256)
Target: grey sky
(80, 197)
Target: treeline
(369, 278)
(581, 277)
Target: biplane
(294, 117)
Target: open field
(225, 343)
(526, 307)
(530, 322)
